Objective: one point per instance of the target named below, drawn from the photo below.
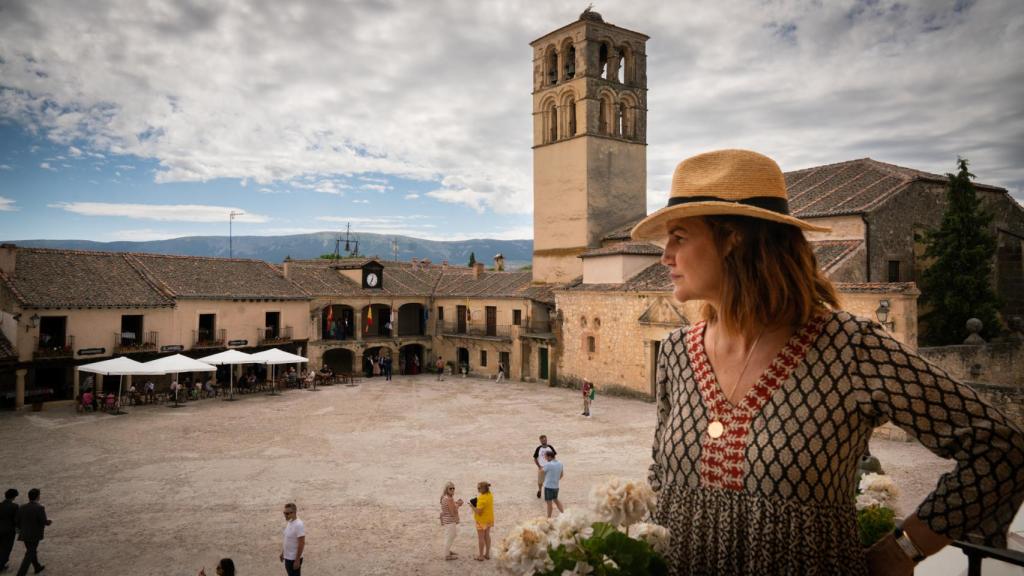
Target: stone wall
(612, 338)
(995, 370)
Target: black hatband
(772, 203)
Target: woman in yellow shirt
(483, 512)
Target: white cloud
(7, 205)
(162, 212)
(47, 166)
(6, 167)
(74, 152)
(376, 187)
(411, 196)
(912, 82)
(360, 201)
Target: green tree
(472, 259)
(957, 284)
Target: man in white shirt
(294, 541)
(540, 459)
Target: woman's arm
(979, 498)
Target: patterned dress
(774, 493)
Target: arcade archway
(410, 359)
(339, 360)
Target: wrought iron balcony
(272, 335)
(209, 338)
(129, 342)
(47, 347)
(479, 329)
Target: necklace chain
(750, 354)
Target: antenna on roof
(394, 249)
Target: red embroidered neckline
(723, 458)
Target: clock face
(371, 279)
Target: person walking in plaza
(8, 525)
(501, 373)
(449, 519)
(483, 514)
(766, 406)
(387, 368)
(539, 460)
(553, 473)
(32, 523)
(294, 541)
(588, 395)
(440, 368)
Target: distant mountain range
(517, 253)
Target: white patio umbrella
(120, 366)
(178, 364)
(276, 356)
(230, 357)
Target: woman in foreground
(766, 406)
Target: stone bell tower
(589, 140)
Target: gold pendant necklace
(716, 428)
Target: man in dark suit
(32, 522)
(8, 521)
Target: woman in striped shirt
(449, 519)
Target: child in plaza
(483, 512)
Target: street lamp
(231, 218)
(882, 314)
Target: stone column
(357, 318)
(75, 385)
(99, 385)
(394, 323)
(19, 388)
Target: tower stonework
(589, 140)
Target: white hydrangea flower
(865, 501)
(879, 488)
(524, 551)
(657, 536)
(622, 503)
(570, 527)
(609, 562)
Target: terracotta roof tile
(216, 278)
(626, 248)
(47, 278)
(830, 253)
(877, 287)
(852, 187)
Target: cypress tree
(472, 259)
(957, 284)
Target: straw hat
(721, 183)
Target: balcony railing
(51, 348)
(129, 342)
(976, 553)
(209, 339)
(476, 329)
(538, 327)
(272, 335)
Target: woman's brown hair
(770, 276)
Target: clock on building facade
(373, 275)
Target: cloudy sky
(122, 119)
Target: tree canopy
(957, 284)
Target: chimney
(444, 264)
(286, 266)
(415, 263)
(499, 262)
(426, 263)
(8, 257)
(478, 270)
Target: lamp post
(882, 314)
(231, 218)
